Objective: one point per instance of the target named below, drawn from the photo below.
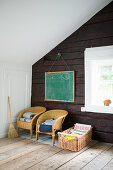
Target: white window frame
(92, 54)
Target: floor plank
(58, 159)
(101, 160)
(31, 159)
(6, 141)
(14, 145)
(84, 158)
(29, 146)
(16, 154)
(109, 166)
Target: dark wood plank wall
(96, 32)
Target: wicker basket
(75, 144)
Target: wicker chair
(58, 115)
(29, 125)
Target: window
(99, 79)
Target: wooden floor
(22, 154)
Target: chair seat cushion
(29, 115)
(25, 119)
(46, 126)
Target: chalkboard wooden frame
(73, 84)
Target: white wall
(15, 81)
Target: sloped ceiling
(29, 29)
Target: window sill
(97, 109)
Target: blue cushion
(45, 128)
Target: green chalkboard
(59, 86)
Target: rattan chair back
(58, 115)
(29, 125)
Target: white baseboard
(4, 135)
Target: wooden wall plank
(98, 31)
